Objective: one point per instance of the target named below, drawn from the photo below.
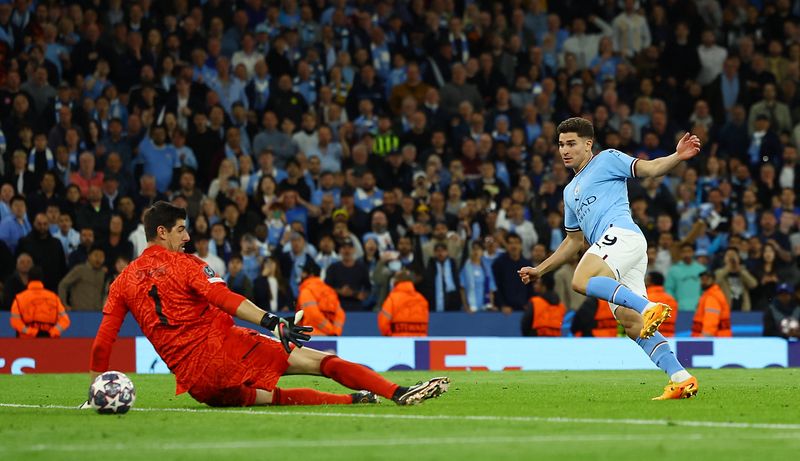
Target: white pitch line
(490, 418)
(330, 443)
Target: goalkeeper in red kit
(185, 310)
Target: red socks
(302, 396)
(356, 377)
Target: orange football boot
(653, 318)
(682, 390)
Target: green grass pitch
(739, 414)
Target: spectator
(511, 293)
(563, 284)
(23, 180)
(405, 311)
(37, 312)
(782, 317)
(86, 176)
(712, 57)
(17, 281)
(236, 279)
(769, 272)
(270, 289)
(251, 256)
(515, 223)
(477, 281)
(657, 294)
(82, 288)
(116, 243)
(220, 244)
(683, 279)
(442, 281)
(319, 303)
(327, 255)
(458, 90)
(594, 319)
(45, 250)
(349, 278)
(95, 213)
(413, 86)
(630, 31)
(16, 225)
(583, 45)
(777, 112)
(713, 315)
(81, 253)
(158, 158)
(735, 281)
(66, 234)
(201, 244)
(544, 312)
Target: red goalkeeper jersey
(182, 306)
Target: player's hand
(288, 331)
(528, 274)
(688, 146)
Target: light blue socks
(657, 348)
(616, 293)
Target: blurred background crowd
(375, 136)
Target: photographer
(736, 281)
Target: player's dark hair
(513, 236)
(161, 214)
(577, 125)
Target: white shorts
(625, 252)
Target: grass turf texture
(486, 415)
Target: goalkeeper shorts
(248, 361)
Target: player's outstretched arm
(286, 330)
(572, 244)
(687, 147)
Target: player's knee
(579, 284)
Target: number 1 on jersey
(157, 301)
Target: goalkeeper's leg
(303, 396)
(313, 362)
(307, 361)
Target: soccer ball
(112, 393)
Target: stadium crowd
(376, 136)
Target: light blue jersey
(597, 197)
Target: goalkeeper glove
(286, 329)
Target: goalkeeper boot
(364, 397)
(429, 389)
(682, 390)
(653, 318)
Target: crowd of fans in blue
(372, 136)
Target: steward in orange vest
(405, 311)
(713, 315)
(37, 312)
(319, 303)
(594, 318)
(657, 294)
(545, 311)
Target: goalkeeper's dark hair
(161, 214)
(577, 125)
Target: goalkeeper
(185, 310)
